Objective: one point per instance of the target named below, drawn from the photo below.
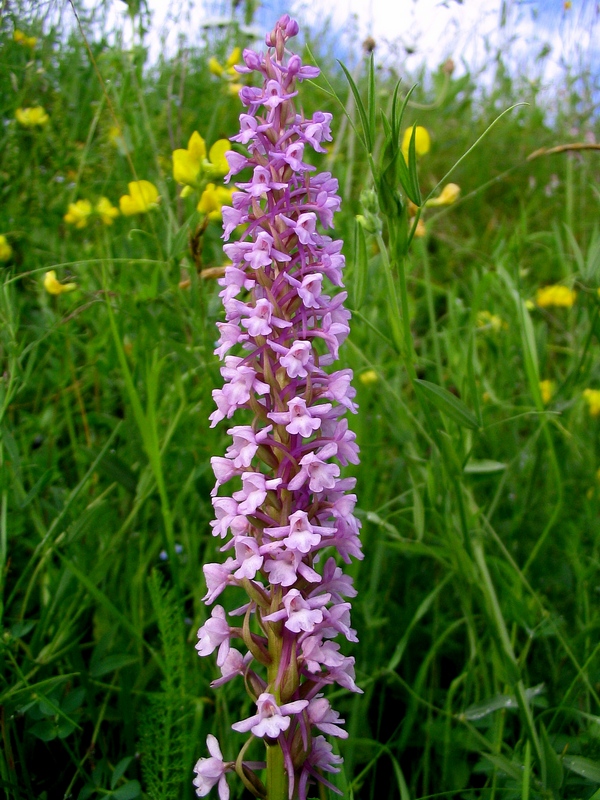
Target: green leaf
(37, 488)
(73, 700)
(45, 730)
(117, 470)
(20, 629)
(361, 265)
(419, 614)
(128, 791)
(483, 466)
(111, 664)
(448, 404)
(511, 769)
(360, 108)
(65, 728)
(371, 99)
(180, 242)
(554, 767)
(119, 771)
(405, 179)
(418, 512)
(412, 168)
(472, 384)
(583, 766)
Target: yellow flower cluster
(485, 319)
(82, 210)
(5, 248)
(450, 194)
(142, 196)
(547, 389)
(22, 38)
(32, 117)
(422, 141)
(53, 286)
(191, 168)
(555, 296)
(368, 377)
(213, 199)
(227, 71)
(592, 398)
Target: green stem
(431, 311)
(394, 308)
(276, 775)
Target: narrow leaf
(483, 466)
(413, 175)
(361, 265)
(514, 771)
(360, 107)
(37, 488)
(448, 404)
(554, 767)
(583, 766)
(371, 99)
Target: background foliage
(478, 596)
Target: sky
(410, 31)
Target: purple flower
(211, 771)
(271, 719)
(292, 519)
(214, 633)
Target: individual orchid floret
(211, 771)
(270, 719)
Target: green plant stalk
(394, 311)
(502, 633)
(148, 430)
(277, 784)
(431, 309)
(408, 353)
(276, 775)
(398, 265)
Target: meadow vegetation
(476, 366)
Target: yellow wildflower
(26, 41)
(368, 377)
(191, 165)
(188, 163)
(422, 141)
(219, 70)
(547, 390)
(556, 296)
(78, 213)
(213, 199)
(450, 194)
(52, 286)
(142, 196)
(5, 248)
(216, 155)
(106, 211)
(592, 397)
(485, 319)
(31, 117)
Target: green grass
(477, 612)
